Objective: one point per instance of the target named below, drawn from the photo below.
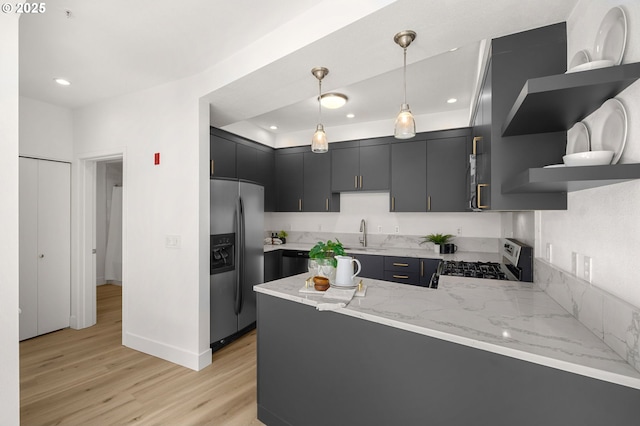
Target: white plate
(553, 166)
(578, 139)
(612, 36)
(603, 63)
(581, 57)
(610, 129)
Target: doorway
(109, 222)
(92, 188)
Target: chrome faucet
(363, 229)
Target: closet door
(45, 246)
(54, 246)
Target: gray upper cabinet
(408, 176)
(289, 180)
(317, 196)
(360, 165)
(514, 60)
(447, 174)
(430, 173)
(222, 156)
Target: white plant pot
(436, 248)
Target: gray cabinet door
(223, 157)
(247, 163)
(345, 168)
(447, 174)
(289, 181)
(374, 167)
(409, 177)
(372, 266)
(265, 166)
(317, 183)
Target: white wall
(374, 208)
(9, 355)
(603, 222)
(46, 130)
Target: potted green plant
(327, 251)
(283, 236)
(438, 240)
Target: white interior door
(45, 246)
(54, 246)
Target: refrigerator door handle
(241, 257)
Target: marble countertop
(424, 253)
(510, 318)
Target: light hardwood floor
(86, 377)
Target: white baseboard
(169, 353)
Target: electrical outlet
(574, 263)
(549, 252)
(172, 241)
(588, 269)
(319, 227)
(397, 229)
(379, 228)
(459, 231)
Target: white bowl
(588, 158)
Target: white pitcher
(344, 271)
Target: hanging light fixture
(405, 126)
(319, 142)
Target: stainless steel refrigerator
(237, 258)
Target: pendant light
(319, 142)
(405, 126)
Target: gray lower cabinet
(428, 267)
(372, 266)
(405, 270)
(325, 368)
(289, 167)
(272, 265)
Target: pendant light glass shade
(405, 126)
(319, 142)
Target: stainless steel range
(517, 265)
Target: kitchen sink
(371, 249)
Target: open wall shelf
(569, 179)
(555, 103)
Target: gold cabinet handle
(212, 167)
(355, 182)
(299, 204)
(428, 203)
(326, 204)
(393, 204)
(404, 277)
(401, 264)
(479, 186)
(474, 151)
(422, 268)
(360, 182)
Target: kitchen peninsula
(470, 352)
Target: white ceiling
(108, 48)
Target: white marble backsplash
(613, 320)
(470, 244)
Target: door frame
(83, 277)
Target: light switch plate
(588, 269)
(172, 241)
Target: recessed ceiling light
(452, 101)
(62, 81)
(453, 50)
(333, 100)
(351, 115)
(273, 127)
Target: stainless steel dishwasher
(294, 262)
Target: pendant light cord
(405, 75)
(319, 101)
